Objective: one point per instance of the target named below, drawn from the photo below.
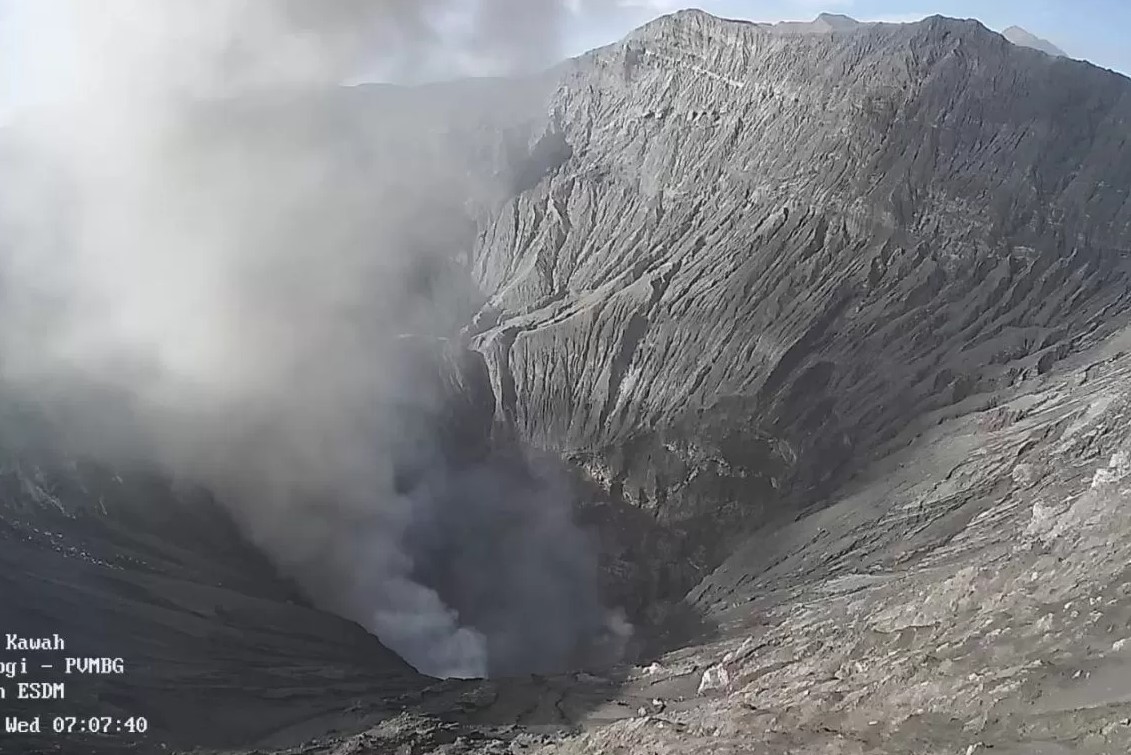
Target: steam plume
(191, 229)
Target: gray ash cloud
(188, 229)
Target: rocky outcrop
(968, 593)
(768, 252)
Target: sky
(1094, 30)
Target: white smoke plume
(207, 264)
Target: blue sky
(1095, 30)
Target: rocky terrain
(804, 241)
(828, 322)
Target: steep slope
(217, 647)
(969, 593)
(763, 254)
(121, 564)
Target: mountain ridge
(903, 79)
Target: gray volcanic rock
(1023, 38)
(768, 253)
(968, 593)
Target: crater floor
(969, 592)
